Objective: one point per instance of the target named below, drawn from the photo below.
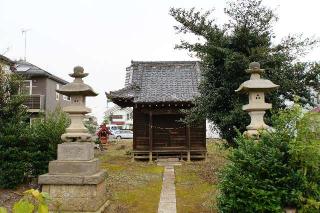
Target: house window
(66, 98)
(26, 88)
(57, 94)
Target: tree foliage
(24, 150)
(13, 116)
(226, 51)
(280, 170)
(44, 135)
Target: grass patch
(196, 182)
(132, 186)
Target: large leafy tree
(13, 116)
(226, 51)
(24, 150)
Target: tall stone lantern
(256, 87)
(75, 181)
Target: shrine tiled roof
(159, 82)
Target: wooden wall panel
(167, 132)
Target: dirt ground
(196, 182)
(133, 187)
(9, 196)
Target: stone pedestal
(75, 182)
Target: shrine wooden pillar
(188, 144)
(150, 136)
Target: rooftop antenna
(24, 32)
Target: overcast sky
(104, 36)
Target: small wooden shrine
(158, 91)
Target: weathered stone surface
(75, 191)
(58, 179)
(76, 151)
(84, 198)
(74, 167)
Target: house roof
(29, 70)
(116, 108)
(159, 82)
(6, 60)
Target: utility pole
(24, 32)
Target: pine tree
(226, 51)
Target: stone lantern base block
(77, 198)
(74, 167)
(76, 151)
(72, 179)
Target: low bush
(44, 137)
(33, 201)
(280, 169)
(27, 151)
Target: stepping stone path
(167, 202)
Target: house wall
(38, 86)
(51, 102)
(123, 118)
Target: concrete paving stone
(167, 202)
(168, 198)
(167, 208)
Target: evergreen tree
(226, 51)
(12, 130)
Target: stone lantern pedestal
(75, 182)
(256, 88)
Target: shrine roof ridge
(163, 81)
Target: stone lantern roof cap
(259, 84)
(256, 83)
(77, 87)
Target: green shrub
(24, 151)
(27, 152)
(32, 201)
(279, 170)
(44, 137)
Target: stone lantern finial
(256, 87)
(77, 91)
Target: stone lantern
(256, 87)
(75, 182)
(77, 91)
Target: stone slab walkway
(167, 202)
